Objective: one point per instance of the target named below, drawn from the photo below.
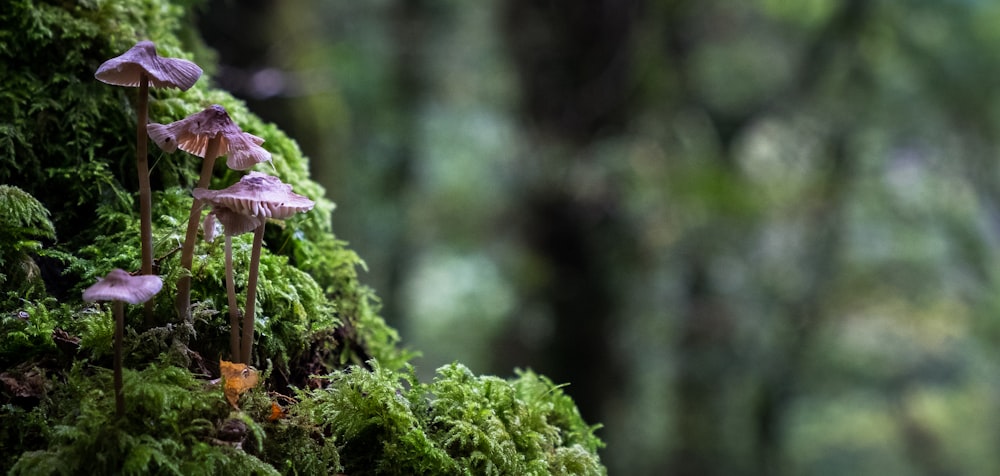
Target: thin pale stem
(248, 316)
(118, 309)
(234, 312)
(187, 252)
(145, 194)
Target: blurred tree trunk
(572, 60)
(704, 358)
(806, 312)
(704, 345)
(408, 24)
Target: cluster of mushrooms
(241, 208)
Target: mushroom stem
(234, 312)
(183, 302)
(118, 309)
(248, 316)
(145, 199)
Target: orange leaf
(236, 378)
(276, 412)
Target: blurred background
(755, 237)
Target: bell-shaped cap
(121, 286)
(233, 223)
(127, 69)
(259, 195)
(192, 134)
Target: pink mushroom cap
(127, 69)
(118, 285)
(193, 133)
(259, 195)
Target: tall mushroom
(141, 67)
(121, 287)
(208, 134)
(261, 196)
(233, 224)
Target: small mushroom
(233, 224)
(194, 134)
(208, 134)
(141, 60)
(261, 196)
(141, 67)
(121, 287)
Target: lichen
(352, 401)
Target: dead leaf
(276, 412)
(236, 379)
(25, 382)
(65, 342)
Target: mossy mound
(68, 193)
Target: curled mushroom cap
(127, 69)
(258, 195)
(234, 223)
(192, 134)
(121, 286)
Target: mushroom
(207, 134)
(261, 196)
(141, 67)
(233, 224)
(121, 287)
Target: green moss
(295, 445)
(174, 426)
(388, 423)
(24, 221)
(67, 141)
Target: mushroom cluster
(208, 134)
(241, 208)
(141, 67)
(244, 206)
